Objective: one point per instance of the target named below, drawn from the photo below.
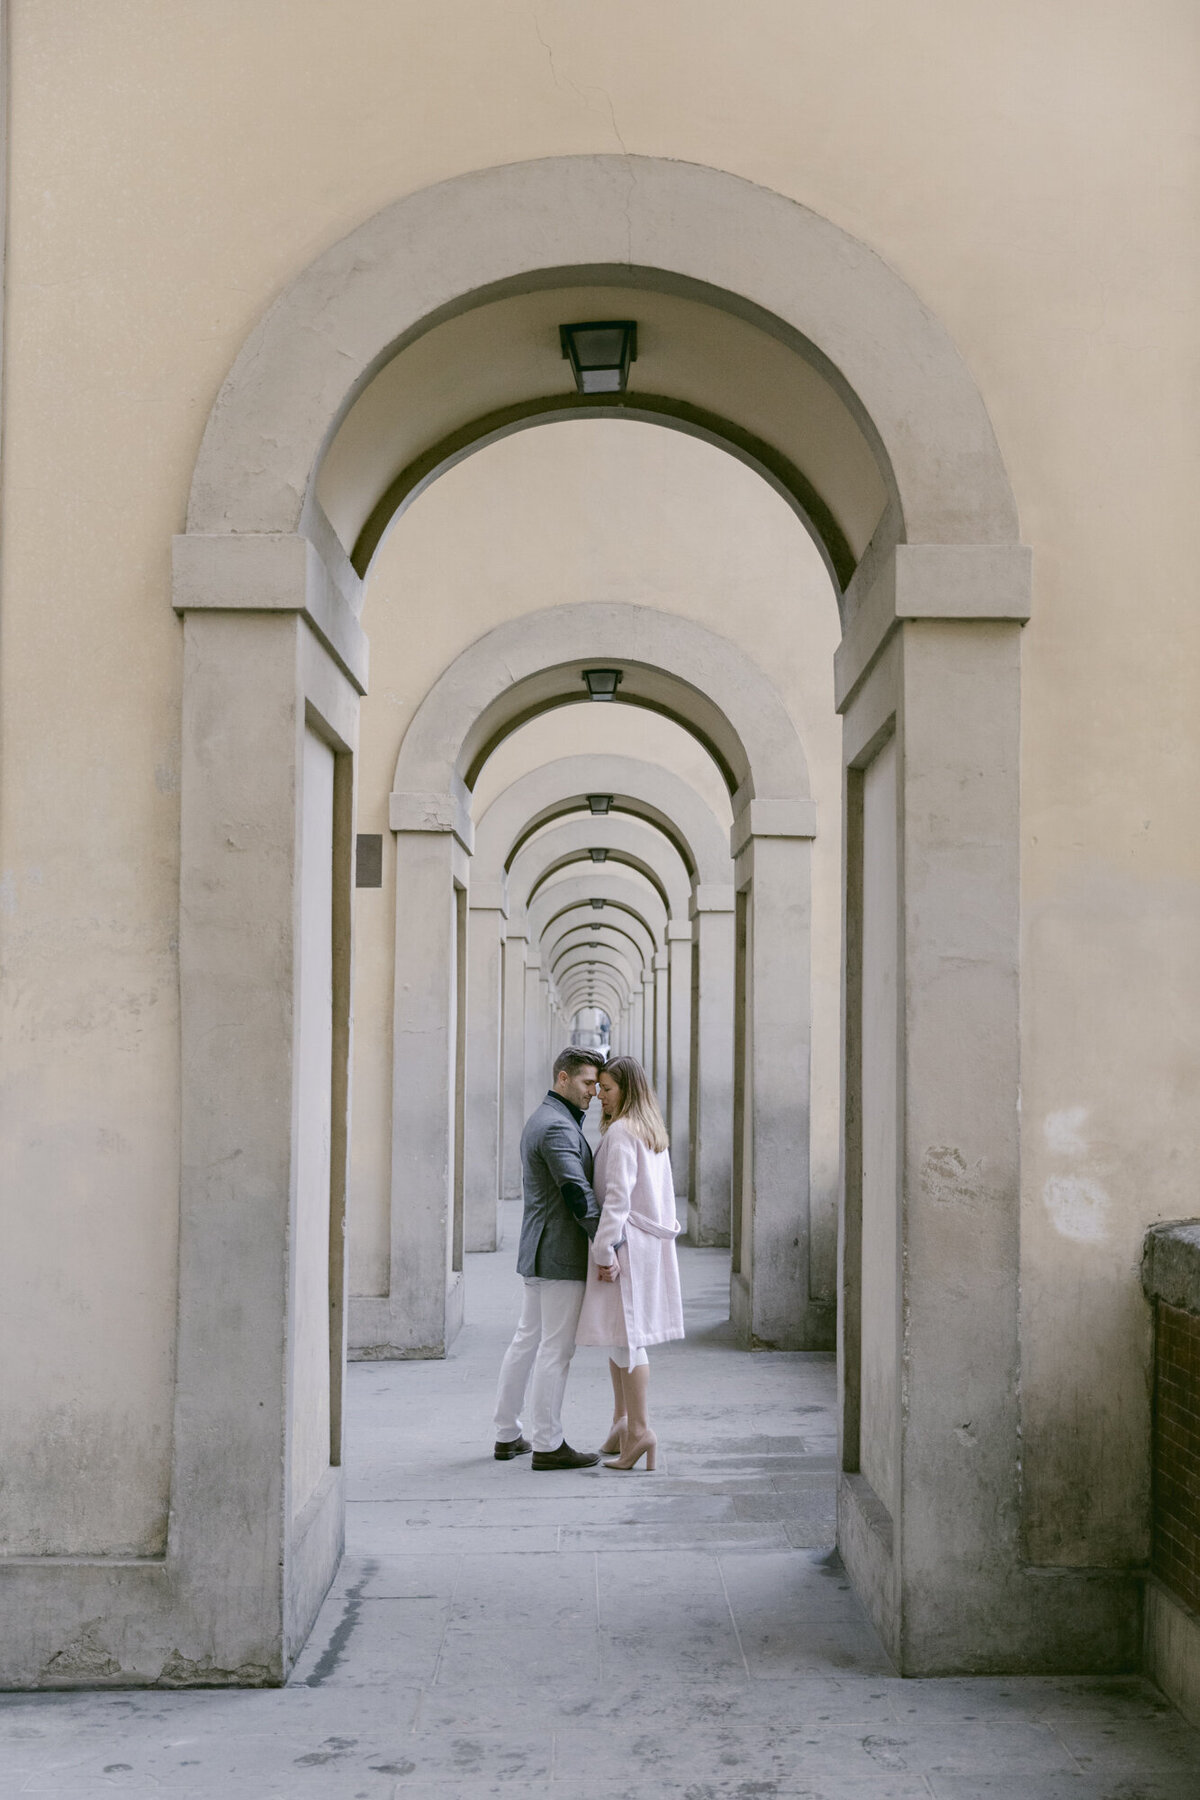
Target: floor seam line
(437, 1666)
(732, 1619)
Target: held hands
(609, 1272)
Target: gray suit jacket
(554, 1151)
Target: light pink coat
(636, 1192)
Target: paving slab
(687, 1635)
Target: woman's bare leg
(636, 1384)
(618, 1380)
(616, 1437)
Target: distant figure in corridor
(633, 1297)
(561, 1214)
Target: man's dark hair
(573, 1059)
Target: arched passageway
(667, 663)
(885, 450)
(699, 1052)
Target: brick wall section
(1176, 1554)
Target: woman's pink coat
(636, 1192)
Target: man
(559, 1220)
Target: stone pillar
(679, 1050)
(546, 1022)
(635, 1039)
(515, 946)
(422, 1312)
(710, 1098)
(481, 1191)
(930, 1488)
(646, 1053)
(274, 663)
(959, 1496)
(662, 1024)
(770, 1298)
(537, 1076)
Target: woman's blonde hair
(637, 1106)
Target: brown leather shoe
(507, 1448)
(564, 1458)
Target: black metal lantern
(599, 804)
(602, 684)
(596, 905)
(600, 353)
(599, 855)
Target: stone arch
(929, 665)
(699, 1053)
(776, 469)
(617, 891)
(642, 788)
(628, 841)
(624, 927)
(536, 662)
(575, 974)
(433, 253)
(714, 690)
(571, 957)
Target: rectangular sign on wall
(368, 860)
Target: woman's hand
(607, 1271)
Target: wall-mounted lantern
(602, 684)
(599, 803)
(596, 905)
(599, 856)
(600, 353)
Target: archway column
(771, 1302)
(929, 1508)
(516, 944)
(646, 1054)
(274, 664)
(662, 1026)
(486, 916)
(710, 1096)
(679, 1050)
(422, 1311)
(636, 1041)
(533, 1028)
(546, 1017)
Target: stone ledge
(1171, 1264)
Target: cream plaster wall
(1029, 169)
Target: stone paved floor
(601, 1636)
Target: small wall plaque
(368, 860)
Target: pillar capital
(433, 812)
(710, 897)
(772, 818)
(927, 581)
(283, 571)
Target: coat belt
(652, 1228)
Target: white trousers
(539, 1359)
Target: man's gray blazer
(554, 1154)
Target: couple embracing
(597, 1255)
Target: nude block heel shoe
(645, 1446)
(614, 1440)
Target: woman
(632, 1296)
